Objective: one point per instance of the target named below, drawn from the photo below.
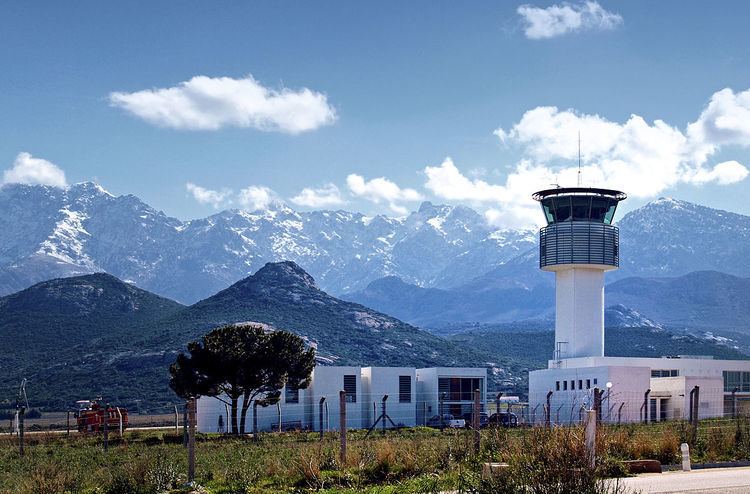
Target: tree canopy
(242, 361)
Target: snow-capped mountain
(50, 232)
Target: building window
(460, 388)
(404, 389)
(573, 385)
(565, 385)
(595, 381)
(665, 372)
(580, 384)
(350, 386)
(291, 395)
(736, 379)
(588, 383)
(557, 385)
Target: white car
(448, 421)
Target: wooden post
(342, 426)
(476, 421)
(21, 413)
(320, 416)
(191, 439)
(105, 416)
(591, 419)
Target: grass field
(410, 460)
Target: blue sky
(395, 89)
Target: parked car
(504, 419)
(448, 421)
(484, 419)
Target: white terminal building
(580, 244)
(414, 396)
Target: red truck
(91, 415)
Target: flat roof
(565, 191)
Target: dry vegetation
(411, 460)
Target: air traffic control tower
(579, 244)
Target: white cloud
(215, 198)
(446, 182)
(727, 172)
(643, 159)
(256, 197)
(34, 171)
(210, 103)
(323, 197)
(556, 20)
(382, 191)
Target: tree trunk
(243, 414)
(234, 416)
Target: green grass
(406, 461)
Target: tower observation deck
(579, 244)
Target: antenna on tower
(579, 158)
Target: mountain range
(53, 232)
(95, 335)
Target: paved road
(715, 480)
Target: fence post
(176, 420)
(185, 418)
(441, 411)
(67, 430)
(278, 410)
(255, 420)
(191, 439)
(548, 410)
(320, 415)
(476, 422)
(497, 406)
(591, 419)
(105, 416)
(21, 413)
(696, 406)
(119, 416)
(734, 402)
(385, 398)
(619, 412)
(342, 426)
(645, 406)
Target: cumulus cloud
(447, 182)
(211, 103)
(557, 20)
(323, 197)
(643, 159)
(382, 191)
(256, 197)
(215, 198)
(34, 171)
